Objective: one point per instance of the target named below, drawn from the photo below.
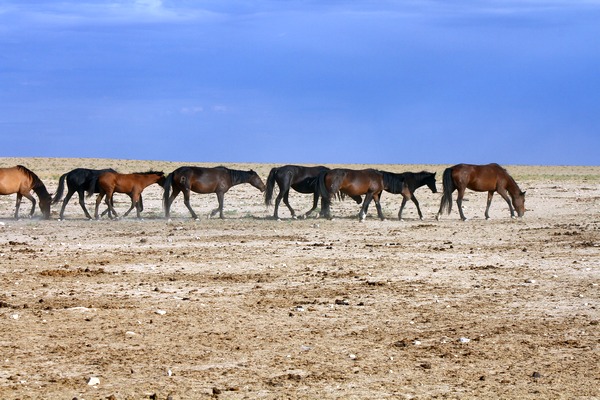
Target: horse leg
(378, 206)
(277, 201)
(459, 198)
(133, 204)
(314, 206)
(404, 200)
(219, 209)
(363, 211)
(33, 203)
(287, 203)
(170, 201)
(414, 199)
(18, 204)
(98, 201)
(489, 202)
(186, 201)
(508, 201)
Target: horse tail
(60, 190)
(167, 187)
(321, 186)
(336, 182)
(270, 187)
(91, 189)
(448, 185)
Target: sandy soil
(252, 308)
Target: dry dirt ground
(252, 308)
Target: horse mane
(393, 183)
(37, 185)
(238, 176)
(160, 173)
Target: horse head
(256, 181)
(45, 202)
(430, 181)
(519, 203)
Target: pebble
(530, 281)
(160, 312)
(352, 356)
(464, 340)
(93, 381)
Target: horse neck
(512, 187)
(419, 179)
(238, 177)
(149, 179)
(40, 189)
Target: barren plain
(253, 308)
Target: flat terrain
(253, 308)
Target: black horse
(301, 179)
(79, 180)
(411, 181)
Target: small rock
(529, 280)
(299, 308)
(160, 312)
(536, 375)
(426, 365)
(417, 342)
(342, 302)
(464, 340)
(130, 333)
(93, 381)
(352, 356)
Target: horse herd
(322, 182)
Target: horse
(481, 178)
(411, 182)
(203, 180)
(22, 181)
(301, 179)
(79, 180)
(353, 183)
(132, 184)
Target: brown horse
(301, 179)
(481, 178)
(205, 180)
(354, 183)
(132, 184)
(22, 181)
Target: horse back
(480, 178)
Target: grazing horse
(481, 178)
(79, 180)
(301, 179)
(205, 180)
(22, 181)
(411, 182)
(131, 184)
(353, 183)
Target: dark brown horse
(79, 180)
(481, 178)
(205, 180)
(411, 181)
(131, 184)
(22, 181)
(354, 183)
(301, 179)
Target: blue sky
(440, 82)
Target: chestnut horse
(131, 184)
(22, 181)
(205, 180)
(79, 180)
(301, 179)
(355, 183)
(411, 182)
(481, 178)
